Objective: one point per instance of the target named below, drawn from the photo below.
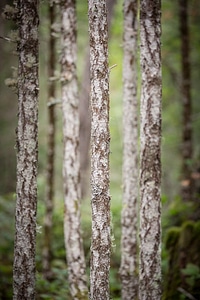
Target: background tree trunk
(187, 148)
(129, 219)
(85, 118)
(71, 165)
(8, 107)
(100, 148)
(27, 152)
(150, 137)
(48, 218)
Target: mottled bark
(48, 218)
(150, 137)
(128, 269)
(27, 152)
(71, 165)
(187, 148)
(85, 120)
(100, 147)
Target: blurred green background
(175, 213)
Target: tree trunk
(48, 218)
(186, 184)
(85, 119)
(71, 165)
(100, 148)
(27, 152)
(150, 136)
(129, 264)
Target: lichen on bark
(150, 138)
(100, 148)
(27, 151)
(129, 263)
(71, 164)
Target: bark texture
(71, 165)
(27, 152)
(187, 148)
(150, 136)
(128, 269)
(100, 147)
(48, 218)
(85, 119)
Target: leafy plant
(192, 273)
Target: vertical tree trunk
(48, 222)
(150, 136)
(187, 102)
(100, 147)
(128, 269)
(71, 165)
(85, 120)
(27, 151)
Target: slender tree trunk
(27, 152)
(48, 218)
(150, 136)
(100, 147)
(71, 165)
(187, 148)
(85, 119)
(129, 264)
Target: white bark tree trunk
(100, 148)
(71, 165)
(27, 152)
(85, 121)
(128, 269)
(150, 136)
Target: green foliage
(180, 211)
(177, 211)
(115, 289)
(183, 271)
(172, 237)
(192, 273)
(6, 245)
(57, 288)
(170, 283)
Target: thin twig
(112, 67)
(184, 292)
(7, 39)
